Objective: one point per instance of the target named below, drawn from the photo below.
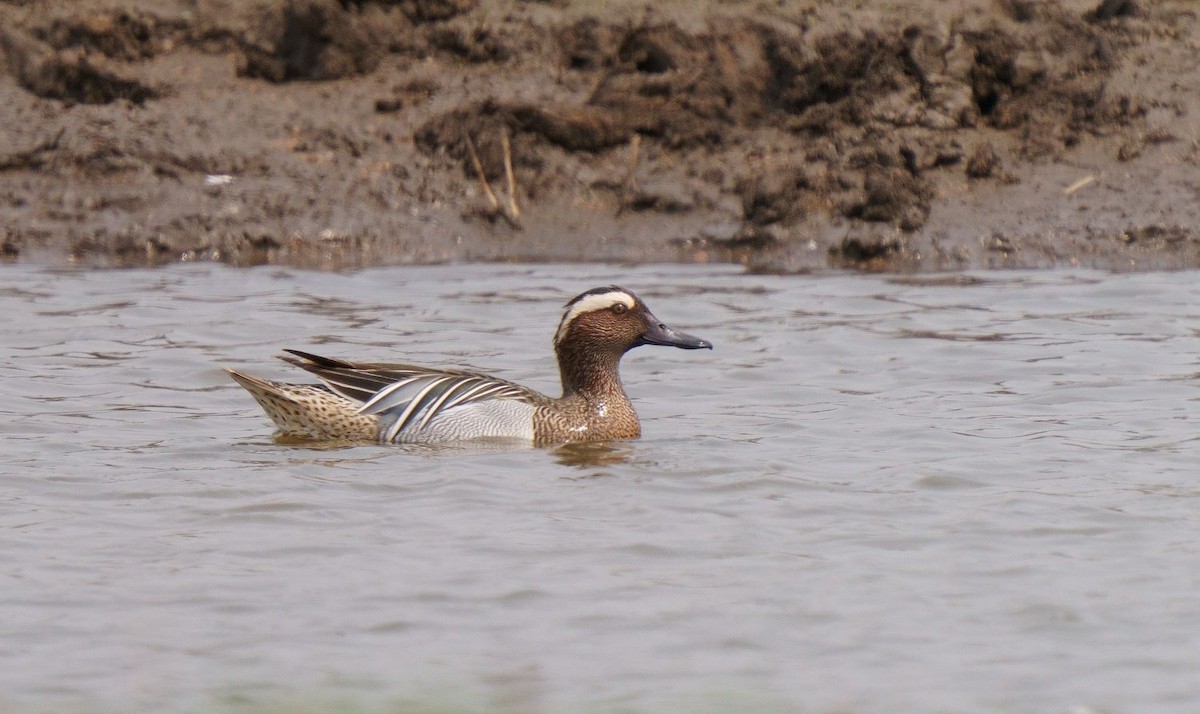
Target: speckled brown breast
(573, 419)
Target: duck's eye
(620, 308)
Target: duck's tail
(309, 411)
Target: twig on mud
(31, 158)
(514, 213)
(487, 187)
(635, 149)
(1078, 185)
(630, 185)
(598, 84)
(511, 214)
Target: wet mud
(791, 137)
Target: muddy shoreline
(790, 137)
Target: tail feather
(308, 410)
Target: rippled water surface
(949, 494)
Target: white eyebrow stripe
(601, 301)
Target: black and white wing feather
(408, 398)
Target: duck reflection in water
(593, 453)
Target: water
(947, 494)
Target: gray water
(950, 494)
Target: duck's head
(614, 318)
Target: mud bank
(875, 135)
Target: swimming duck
(401, 403)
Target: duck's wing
(407, 396)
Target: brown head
(601, 325)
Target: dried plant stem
(510, 213)
(630, 185)
(487, 187)
(1078, 185)
(635, 155)
(514, 212)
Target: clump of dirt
(474, 44)
(1049, 85)
(310, 40)
(119, 34)
(68, 74)
(893, 195)
(318, 40)
(420, 11)
(984, 161)
(871, 253)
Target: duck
(408, 404)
